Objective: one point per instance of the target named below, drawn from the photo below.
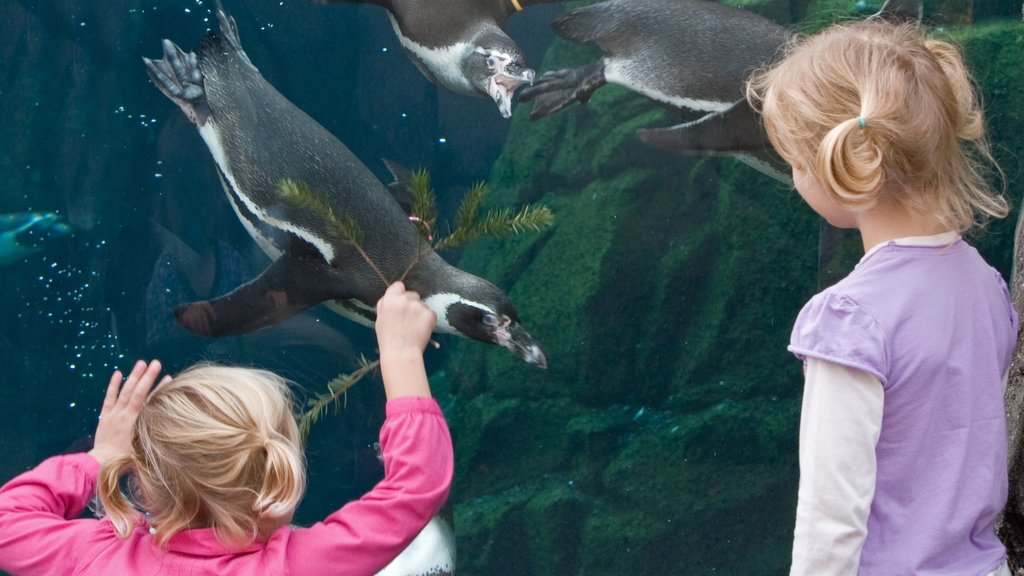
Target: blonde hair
(873, 108)
(215, 447)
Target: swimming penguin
(25, 233)
(461, 44)
(688, 54)
(260, 141)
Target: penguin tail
(177, 75)
(229, 36)
(219, 50)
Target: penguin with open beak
(461, 44)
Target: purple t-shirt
(936, 326)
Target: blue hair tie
(862, 121)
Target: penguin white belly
(445, 63)
(624, 73)
(432, 552)
(209, 133)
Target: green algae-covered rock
(662, 437)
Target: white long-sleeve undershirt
(840, 424)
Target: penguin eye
(490, 320)
(491, 62)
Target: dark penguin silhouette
(688, 54)
(260, 140)
(461, 44)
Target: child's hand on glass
(121, 407)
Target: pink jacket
(39, 532)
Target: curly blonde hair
(217, 447)
(873, 108)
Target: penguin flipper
(290, 285)
(557, 89)
(735, 129)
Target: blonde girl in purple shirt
(902, 432)
(214, 460)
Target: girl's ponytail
(850, 163)
(283, 482)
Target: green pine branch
(300, 195)
(469, 208)
(424, 201)
(503, 222)
(468, 227)
(336, 389)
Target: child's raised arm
(404, 325)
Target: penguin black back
(687, 48)
(247, 113)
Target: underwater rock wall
(662, 437)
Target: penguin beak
(501, 87)
(483, 323)
(519, 342)
(505, 75)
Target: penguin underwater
(24, 233)
(687, 54)
(259, 140)
(461, 44)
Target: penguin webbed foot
(232, 315)
(290, 285)
(177, 75)
(557, 89)
(197, 317)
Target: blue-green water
(662, 437)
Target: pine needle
(470, 206)
(501, 222)
(300, 195)
(336, 389)
(424, 200)
(469, 226)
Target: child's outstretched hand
(404, 325)
(120, 410)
